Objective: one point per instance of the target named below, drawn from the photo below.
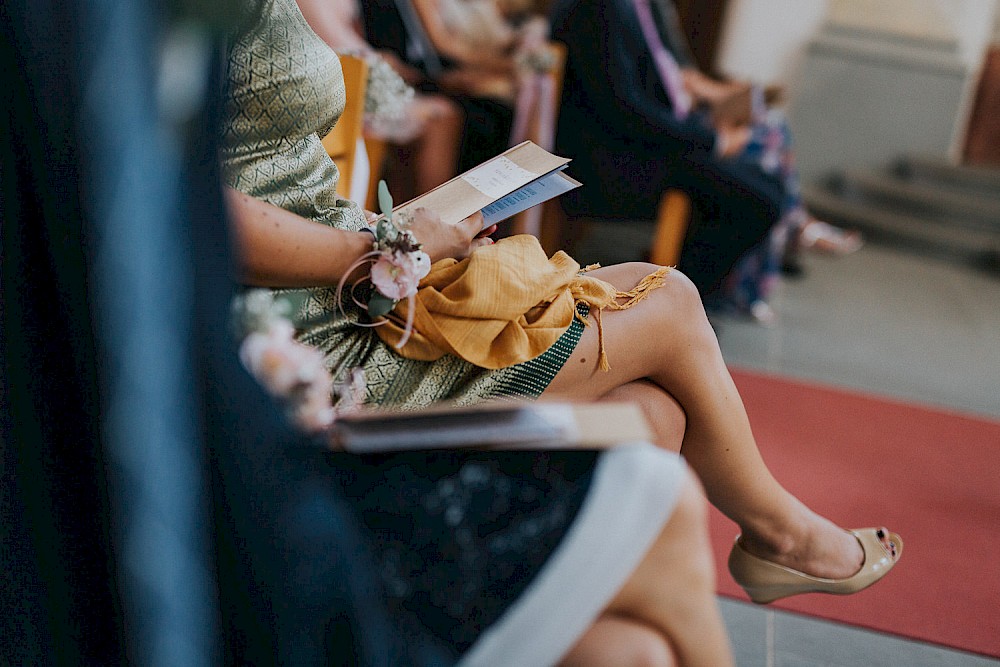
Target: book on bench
(501, 187)
(497, 425)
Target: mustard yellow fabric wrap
(505, 304)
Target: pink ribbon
(372, 257)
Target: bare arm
(464, 53)
(333, 23)
(276, 248)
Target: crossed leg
(663, 413)
(667, 340)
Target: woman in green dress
(285, 92)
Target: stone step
(891, 226)
(983, 180)
(921, 198)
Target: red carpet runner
(930, 475)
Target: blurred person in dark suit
(633, 132)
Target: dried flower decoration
(296, 373)
(389, 100)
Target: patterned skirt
(507, 557)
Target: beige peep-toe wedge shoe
(765, 581)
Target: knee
(685, 299)
(664, 413)
(649, 649)
(684, 287)
(677, 284)
(691, 508)
(620, 641)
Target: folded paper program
(503, 186)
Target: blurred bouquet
(389, 112)
(292, 372)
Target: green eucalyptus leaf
(380, 305)
(384, 198)
(384, 229)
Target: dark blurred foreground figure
(155, 508)
(118, 417)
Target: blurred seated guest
(480, 77)
(426, 127)
(550, 558)
(770, 146)
(748, 287)
(482, 40)
(630, 127)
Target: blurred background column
(867, 81)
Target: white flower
(292, 372)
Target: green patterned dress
(286, 91)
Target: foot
(821, 549)
(762, 313)
(765, 581)
(823, 237)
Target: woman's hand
(441, 240)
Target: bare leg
(672, 591)
(436, 149)
(667, 339)
(664, 414)
(615, 641)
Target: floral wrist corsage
(397, 266)
(296, 373)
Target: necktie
(666, 64)
(419, 43)
(672, 32)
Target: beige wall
(970, 23)
(867, 80)
(765, 40)
(915, 18)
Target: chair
(535, 118)
(377, 152)
(673, 217)
(343, 140)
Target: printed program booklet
(498, 425)
(501, 187)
